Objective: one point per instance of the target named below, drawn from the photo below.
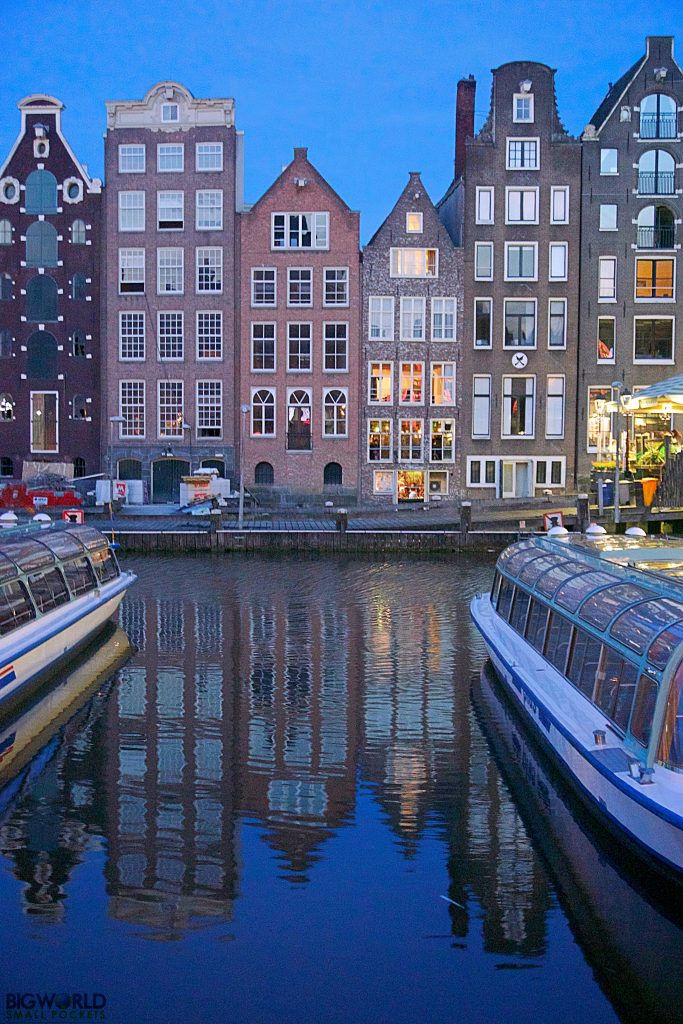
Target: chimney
(464, 120)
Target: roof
(615, 93)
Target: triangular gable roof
(615, 94)
(412, 176)
(301, 153)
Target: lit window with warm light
(414, 223)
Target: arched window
(79, 467)
(42, 355)
(78, 347)
(5, 287)
(5, 345)
(656, 173)
(334, 411)
(41, 244)
(263, 414)
(6, 466)
(658, 117)
(129, 469)
(656, 228)
(299, 420)
(41, 192)
(78, 286)
(5, 232)
(218, 464)
(263, 474)
(78, 232)
(6, 407)
(80, 408)
(41, 299)
(332, 475)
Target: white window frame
(420, 220)
(429, 438)
(556, 192)
(201, 210)
(335, 324)
(521, 245)
(605, 362)
(453, 376)
(199, 335)
(523, 96)
(605, 150)
(141, 389)
(517, 437)
(485, 199)
(252, 339)
(162, 152)
(254, 391)
(550, 402)
(383, 313)
(548, 460)
(559, 247)
(288, 339)
(523, 139)
(299, 270)
(443, 300)
(612, 207)
(607, 416)
(482, 460)
(563, 300)
(412, 459)
(478, 246)
(209, 406)
(603, 260)
(395, 261)
(205, 170)
(520, 348)
(412, 302)
(165, 313)
(138, 209)
(179, 434)
(379, 419)
(489, 299)
(170, 113)
(381, 363)
(522, 190)
(320, 227)
(140, 146)
(264, 305)
(335, 270)
(181, 267)
(171, 192)
(651, 299)
(127, 262)
(336, 436)
(479, 416)
(130, 313)
(203, 249)
(656, 362)
(412, 363)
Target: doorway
(516, 480)
(166, 474)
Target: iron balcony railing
(652, 184)
(656, 237)
(658, 126)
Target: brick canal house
(49, 301)
(515, 206)
(412, 324)
(299, 367)
(630, 255)
(174, 183)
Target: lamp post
(112, 421)
(622, 392)
(186, 426)
(244, 409)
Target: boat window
(550, 581)
(535, 569)
(79, 576)
(600, 609)
(557, 644)
(104, 565)
(8, 569)
(574, 591)
(520, 608)
(27, 554)
(671, 743)
(583, 662)
(514, 566)
(63, 544)
(636, 627)
(536, 623)
(89, 537)
(48, 590)
(615, 687)
(510, 552)
(495, 588)
(15, 606)
(663, 647)
(644, 709)
(505, 598)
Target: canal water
(302, 801)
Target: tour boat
(587, 635)
(58, 587)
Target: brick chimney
(464, 120)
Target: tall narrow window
(379, 441)
(209, 210)
(335, 347)
(210, 335)
(41, 244)
(6, 344)
(132, 336)
(607, 280)
(131, 271)
(441, 441)
(41, 192)
(78, 233)
(380, 383)
(263, 347)
(299, 420)
(131, 211)
(299, 351)
(335, 421)
(44, 422)
(412, 389)
(170, 211)
(41, 299)
(557, 261)
(79, 287)
(210, 269)
(41, 359)
(263, 286)
(381, 318)
(559, 204)
(483, 323)
(263, 413)
(554, 415)
(336, 286)
(171, 336)
(606, 339)
(483, 261)
(481, 406)
(5, 232)
(299, 286)
(410, 441)
(170, 271)
(132, 408)
(412, 318)
(170, 406)
(209, 408)
(484, 205)
(557, 323)
(443, 319)
(518, 406)
(443, 384)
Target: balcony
(658, 126)
(661, 237)
(651, 183)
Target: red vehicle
(18, 497)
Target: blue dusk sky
(368, 87)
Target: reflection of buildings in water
(169, 778)
(298, 718)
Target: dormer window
(414, 223)
(523, 108)
(169, 112)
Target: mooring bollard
(465, 518)
(342, 520)
(582, 512)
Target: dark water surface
(300, 801)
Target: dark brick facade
(50, 230)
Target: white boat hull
(27, 654)
(650, 815)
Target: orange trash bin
(649, 487)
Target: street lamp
(112, 421)
(244, 409)
(186, 426)
(622, 393)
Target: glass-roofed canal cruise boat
(58, 587)
(587, 636)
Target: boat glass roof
(601, 608)
(636, 627)
(574, 591)
(8, 569)
(552, 580)
(31, 552)
(27, 553)
(537, 566)
(63, 544)
(92, 539)
(664, 645)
